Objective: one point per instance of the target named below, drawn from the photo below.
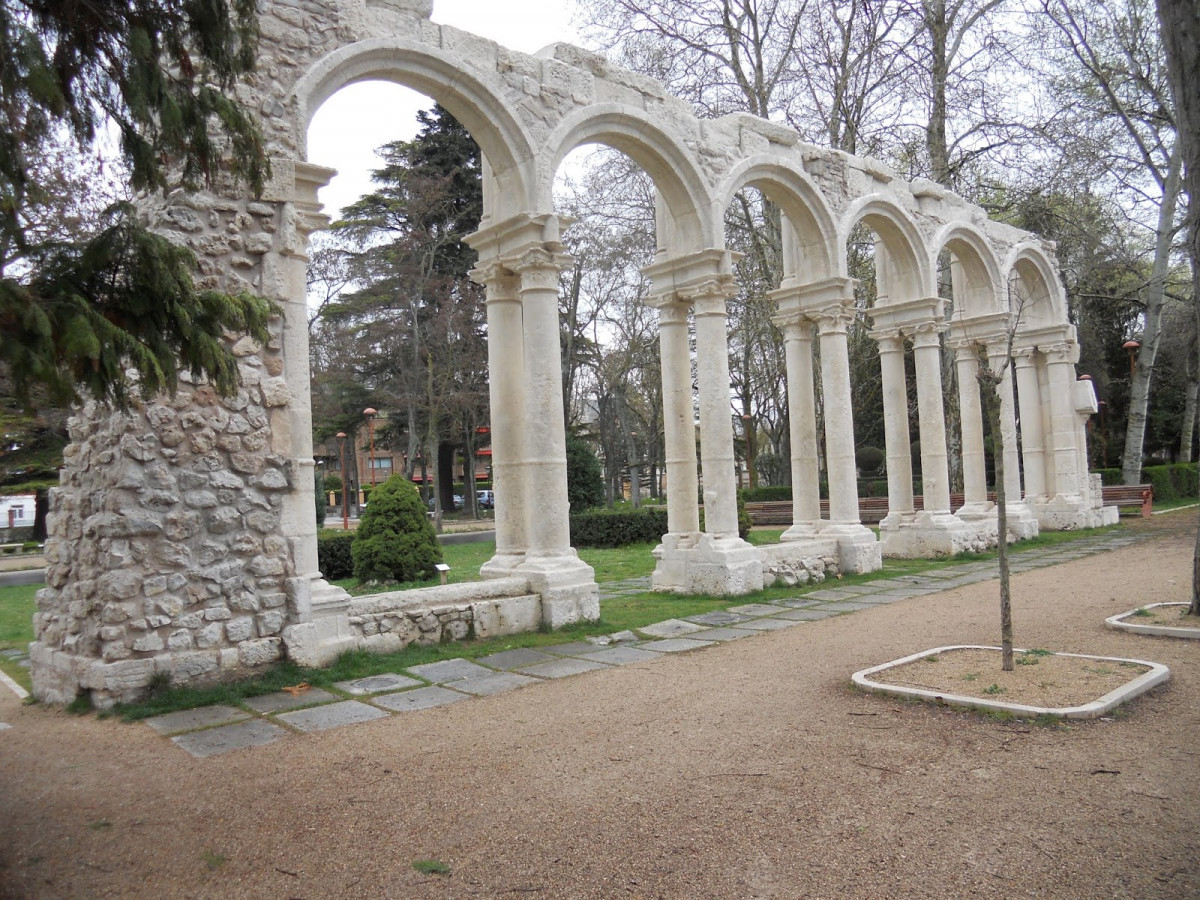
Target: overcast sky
(347, 129)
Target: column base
(1069, 512)
(567, 586)
(976, 509)
(859, 550)
(718, 566)
(1022, 523)
(925, 535)
(801, 531)
(501, 565)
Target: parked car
(485, 499)
(458, 502)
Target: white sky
(346, 130)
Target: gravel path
(745, 770)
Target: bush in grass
(618, 528)
(395, 541)
(585, 480)
(869, 460)
(1173, 482)
(333, 554)
(767, 493)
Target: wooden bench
(1125, 496)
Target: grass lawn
(619, 613)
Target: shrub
(333, 554)
(395, 541)
(617, 528)
(869, 460)
(333, 482)
(766, 493)
(1174, 482)
(585, 480)
(320, 501)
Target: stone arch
(978, 287)
(664, 158)
(908, 274)
(819, 255)
(482, 111)
(1033, 282)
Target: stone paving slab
(495, 683)
(671, 628)
(620, 656)
(575, 648)
(213, 741)
(331, 715)
(811, 615)
(448, 670)
(771, 624)
(191, 719)
(515, 659)
(833, 594)
(675, 645)
(847, 606)
(800, 602)
(796, 615)
(561, 668)
(754, 609)
(717, 618)
(377, 684)
(724, 634)
(272, 703)
(421, 698)
(941, 574)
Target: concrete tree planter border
(1158, 674)
(1120, 624)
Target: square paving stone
(575, 648)
(332, 715)
(495, 683)
(770, 624)
(795, 615)
(847, 606)
(809, 615)
(272, 703)
(561, 668)
(376, 684)
(514, 659)
(213, 741)
(676, 645)
(421, 698)
(191, 719)
(800, 602)
(753, 609)
(671, 628)
(448, 670)
(723, 634)
(832, 594)
(718, 617)
(620, 656)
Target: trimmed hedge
(766, 493)
(1177, 481)
(333, 554)
(617, 528)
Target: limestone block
(240, 629)
(217, 613)
(270, 480)
(188, 666)
(148, 643)
(275, 392)
(209, 636)
(260, 652)
(223, 521)
(179, 640)
(263, 566)
(120, 585)
(270, 623)
(204, 499)
(509, 615)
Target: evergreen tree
(77, 312)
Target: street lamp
(370, 413)
(341, 437)
(1131, 347)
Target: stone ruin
(183, 542)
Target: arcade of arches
(182, 539)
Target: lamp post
(370, 412)
(341, 437)
(1131, 347)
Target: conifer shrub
(395, 540)
(334, 554)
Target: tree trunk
(1139, 400)
(988, 383)
(1188, 429)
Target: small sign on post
(442, 570)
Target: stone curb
(1117, 623)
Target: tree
(585, 484)
(413, 331)
(395, 540)
(1114, 76)
(1180, 24)
(77, 314)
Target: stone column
(895, 423)
(1060, 370)
(832, 324)
(802, 419)
(1029, 398)
(716, 426)
(683, 513)
(971, 414)
(935, 470)
(506, 380)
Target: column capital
(832, 319)
(927, 334)
(708, 296)
(539, 265)
(890, 340)
(794, 328)
(1061, 353)
(670, 311)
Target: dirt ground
(745, 770)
